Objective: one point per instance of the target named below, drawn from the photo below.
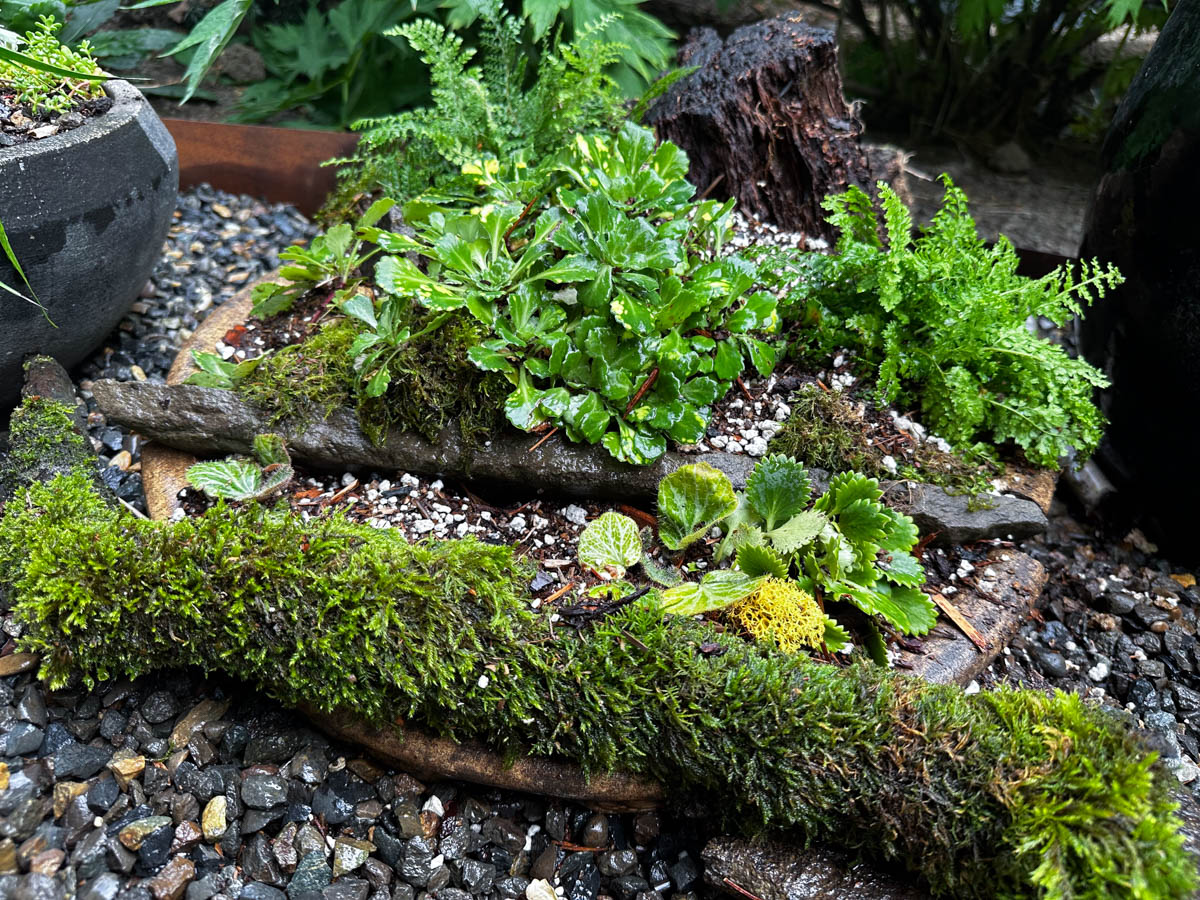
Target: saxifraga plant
(1000, 794)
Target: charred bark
(763, 120)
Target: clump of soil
(19, 124)
(846, 430)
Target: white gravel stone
(518, 523)
(576, 515)
(423, 526)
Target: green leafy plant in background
(645, 42)
(981, 67)
(944, 319)
(502, 115)
(241, 478)
(343, 62)
(117, 48)
(610, 309)
(338, 64)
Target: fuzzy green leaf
(610, 544)
(797, 532)
(229, 479)
(714, 591)
(691, 500)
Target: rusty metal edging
(281, 165)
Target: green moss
(433, 383)
(825, 431)
(1009, 794)
(314, 377)
(43, 443)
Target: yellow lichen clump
(782, 613)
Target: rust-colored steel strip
(282, 165)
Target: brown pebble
(64, 793)
(47, 863)
(187, 836)
(1160, 627)
(16, 663)
(172, 881)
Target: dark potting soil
(19, 124)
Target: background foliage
(987, 67)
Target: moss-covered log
(1009, 793)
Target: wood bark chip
(763, 120)
(961, 621)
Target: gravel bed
(1117, 624)
(217, 243)
(180, 787)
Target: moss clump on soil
(1004, 794)
(43, 443)
(826, 431)
(433, 383)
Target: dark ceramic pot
(86, 212)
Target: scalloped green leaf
(902, 534)
(797, 532)
(691, 500)
(610, 544)
(836, 636)
(756, 559)
(714, 591)
(778, 489)
(846, 487)
(863, 521)
(902, 568)
(270, 450)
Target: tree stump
(763, 120)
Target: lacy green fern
(943, 317)
(486, 112)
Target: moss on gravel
(1000, 794)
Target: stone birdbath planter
(86, 211)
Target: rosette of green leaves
(610, 309)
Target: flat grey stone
(210, 421)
